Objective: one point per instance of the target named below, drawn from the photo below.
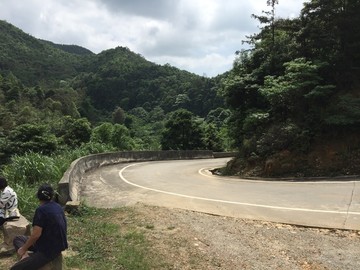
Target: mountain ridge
(32, 59)
(116, 77)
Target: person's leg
(33, 262)
(2, 217)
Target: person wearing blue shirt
(49, 234)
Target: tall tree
(331, 30)
(298, 94)
(182, 132)
(272, 4)
(118, 116)
(268, 28)
(75, 131)
(29, 137)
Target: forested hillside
(34, 61)
(290, 105)
(295, 96)
(119, 77)
(57, 97)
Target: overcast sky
(200, 36)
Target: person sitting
(49, 234)
(8, 202)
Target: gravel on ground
(192, 240)
(184, 239)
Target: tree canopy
(295, 92)
(69, 96)
(182, 132)
(290, 100)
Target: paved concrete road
(187, 184)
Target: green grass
(96, 242)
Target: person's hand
(21, 252)
(25, 255)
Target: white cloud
(200, 36)
(211, 64)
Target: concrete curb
(343, 178)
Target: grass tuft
(98, 243)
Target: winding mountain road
(187, 184)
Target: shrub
(31, 168)
(27, 200)
(283, 136)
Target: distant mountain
(119, 77)
(73, 49)
(33, 60)
(112, 78)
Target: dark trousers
(36, 259)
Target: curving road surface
(187, 184)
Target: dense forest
(55, 97)
(294, 96)
(290, 105)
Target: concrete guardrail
(70, 184)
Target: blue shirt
(51, 218)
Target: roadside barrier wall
(69, 186)
(224, 154)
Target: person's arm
(3, 199)
(35, 235)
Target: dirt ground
(191, 240)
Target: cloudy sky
(200, 36)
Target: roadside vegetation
(98, 241)
(290, 106)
